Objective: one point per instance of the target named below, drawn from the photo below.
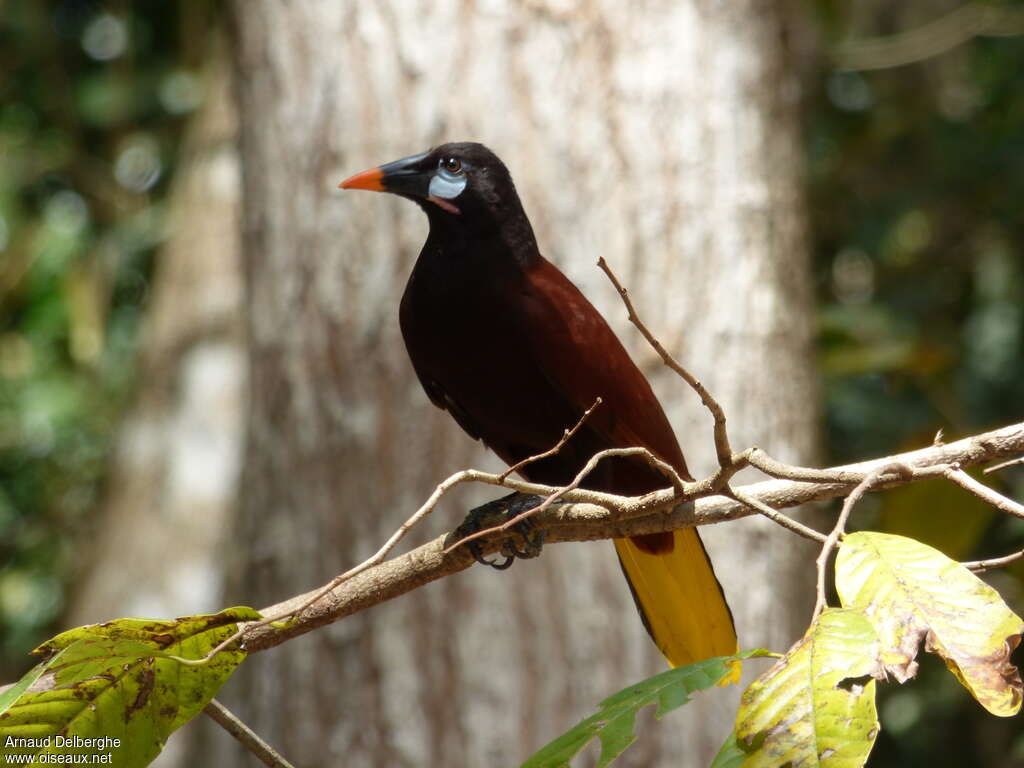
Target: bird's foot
(524, 540)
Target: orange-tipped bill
(408, 177)
(371, 180)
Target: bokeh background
(912, 120)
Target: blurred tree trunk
(665, 141)
(175, 473)
(174, 480)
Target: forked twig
(370, 562)
(553, 449)
(590, 515)
(1004, 465)
(728, 462)
(378, 557)
(840, 527)
(982, 491)
(722, 446)
(661, 466)
(760, 460)
(778, 517)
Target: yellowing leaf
(112, 693)
(913, 592)
(816, 706)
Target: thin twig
(978, 566)
(678, 486)
(1004, 465)
(723, 449)
(553, 449)
(586, 515)
(758, 459)
(245, 735)
(863, 487)
(591, 515)
(996, 499)
(375, 559)
(776, 516)
(378, 557)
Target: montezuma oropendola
(504, 342)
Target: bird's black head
(461, 185)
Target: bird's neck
(474, 240)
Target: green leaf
(11, 695)
(802, 711)
(912, 592)
(614, 722)
(113, 689)
(731, 755)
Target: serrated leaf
(115, 681)
(912, 592)
(803, 711)
(614, 723)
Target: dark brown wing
(669, 574)
(583, 359)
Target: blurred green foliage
(916, 174)
(915, 177)
(92, 100)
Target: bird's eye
(452, 164)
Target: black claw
(532, 541)
(496, 512)
(501, 566)
(478, 555)
(475, 551)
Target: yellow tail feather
(680, 599)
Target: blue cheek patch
(447, 186)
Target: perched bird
(505, 343)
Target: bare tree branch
(245, 735)
(678, 486)
(588, 515)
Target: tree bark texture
(663, 138)
(173, 483)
